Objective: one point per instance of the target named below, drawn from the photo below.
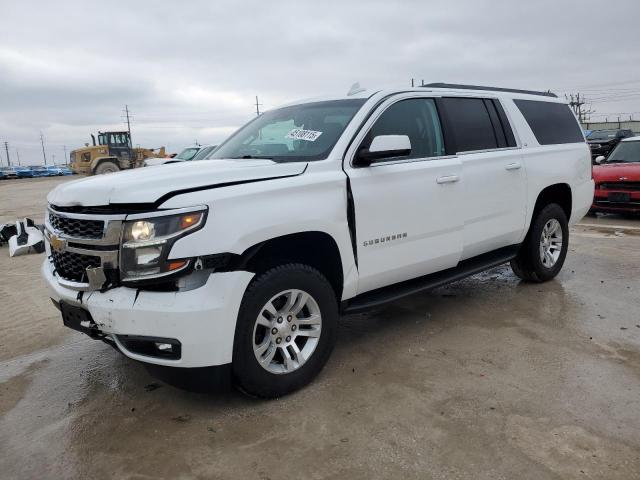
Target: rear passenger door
(493, 173)
(407, 209)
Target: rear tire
(544, 249)
(285, 332)
(106, 167)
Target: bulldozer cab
(118, 143)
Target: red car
(617, 179)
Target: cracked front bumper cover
(203, 320)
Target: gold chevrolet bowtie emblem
(57, 244)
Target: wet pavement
(485, 378)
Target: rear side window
(470, 123)
(551, 123)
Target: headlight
(146, 243)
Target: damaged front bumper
(201, 321)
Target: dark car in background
(23, 172)
(601, 142)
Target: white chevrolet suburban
(312, 210)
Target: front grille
(77, 228)
(635, 186)
(72, 266)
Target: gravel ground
(485, 378)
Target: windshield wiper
(252, 157)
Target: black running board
(464, 269)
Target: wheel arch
(314, 248)
(559, 193)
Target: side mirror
(384, 146)
(600, 159)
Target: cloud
(191, 70)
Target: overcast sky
(191, 69)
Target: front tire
(544, 249)
(285, 332)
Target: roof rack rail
(490, 89)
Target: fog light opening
(164, 347)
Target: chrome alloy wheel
(550, 243)
(287, 331)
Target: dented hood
(147, 185)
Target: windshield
(187, 153)
(289, 134)
(204, 152)
(602, 135)
(625, 152)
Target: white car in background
(185, 155)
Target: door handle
(513, 166)
(447, 179)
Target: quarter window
(471, 124)
(418, 119)
(552, 123)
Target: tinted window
(506, 126)
(470, 123)
(418, 119)
(551, 123)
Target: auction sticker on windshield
(300, 134)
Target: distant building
(633, 125)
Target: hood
(147, 185)
(613, 172)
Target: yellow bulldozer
(112, 152)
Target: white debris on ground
(23, 237)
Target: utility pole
(576, 103)
(412, 83)
(6, 149)
(44, 155)
(257, 107)
(126, 109)
(18, 155)
(65, 154)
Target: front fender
(246, 215)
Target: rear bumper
(581, 201)
(203, 320)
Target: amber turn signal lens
(176, 265)
(189, 220)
